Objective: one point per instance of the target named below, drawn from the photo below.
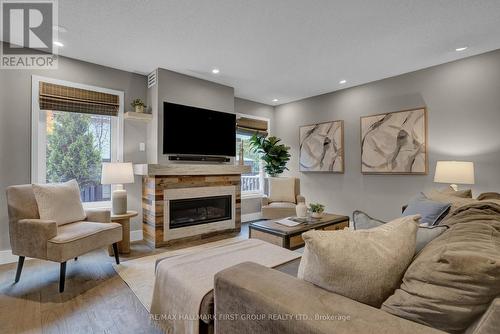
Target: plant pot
(317, 214)
(139, 109)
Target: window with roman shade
(246, 127)
(65, 98)
(76, 128)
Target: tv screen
(197, 131)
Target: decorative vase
(301, 210)
(317, 214)
(139, 109)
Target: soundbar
(197, 158)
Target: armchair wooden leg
(115, 251)
(62, 276)
(19, 268)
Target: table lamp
(454, 172)
(118, 173)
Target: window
(251, 183)
(73, 145)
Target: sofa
(264, 300)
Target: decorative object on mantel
(118, 173)
(317, 210)
(138, 105)
(322, 147)
(395, 143)
(454, 172)
(274, 155)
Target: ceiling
(284, 49)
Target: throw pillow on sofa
(425, 234)
(455, 278)
(432, 212)
(364, 265)
(59, 202)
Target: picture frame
(395, 143)
(321, 147)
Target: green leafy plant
(316, 207)
(138, 103)
(274, 154)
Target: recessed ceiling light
(275, 100)
(461, 49)
(59, 44)
(342, 82)
(215, 71)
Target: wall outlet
(142, 147)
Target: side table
(124, 221)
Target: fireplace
(197, 211)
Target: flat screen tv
(197, 131)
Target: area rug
(139, 274)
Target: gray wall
(242, 106)
(463, 101)
(15, 124)
(182, 89)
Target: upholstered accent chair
(33, 237)
(282, 196)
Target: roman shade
(251, 126)
(65, 98)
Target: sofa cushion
(78, 238)
(488, 196)
(425, 234)
(455, 278)
(364, 265)
(59, 202)
(432, 212)
(282, 189)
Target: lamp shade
(459, 172)
(117, 173)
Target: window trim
(37, 129)
(262, 174)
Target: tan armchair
(44, 239)
(282, 196)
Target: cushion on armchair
(282, 189)
(59, 202)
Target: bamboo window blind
(64, 98)
(251, 126)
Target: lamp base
(119, 201)
(454, 187)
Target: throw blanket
(182, 281)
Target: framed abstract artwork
(395, 143)
(322, 147)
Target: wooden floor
(95, 300)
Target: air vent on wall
(152, 79)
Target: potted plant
(138, 105)
(316, 210)
(274, 154)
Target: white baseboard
(250, 216)
(7, 257)
(136, 235)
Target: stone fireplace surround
(159, 182)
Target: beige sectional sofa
(452, 286)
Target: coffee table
(290, 237)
